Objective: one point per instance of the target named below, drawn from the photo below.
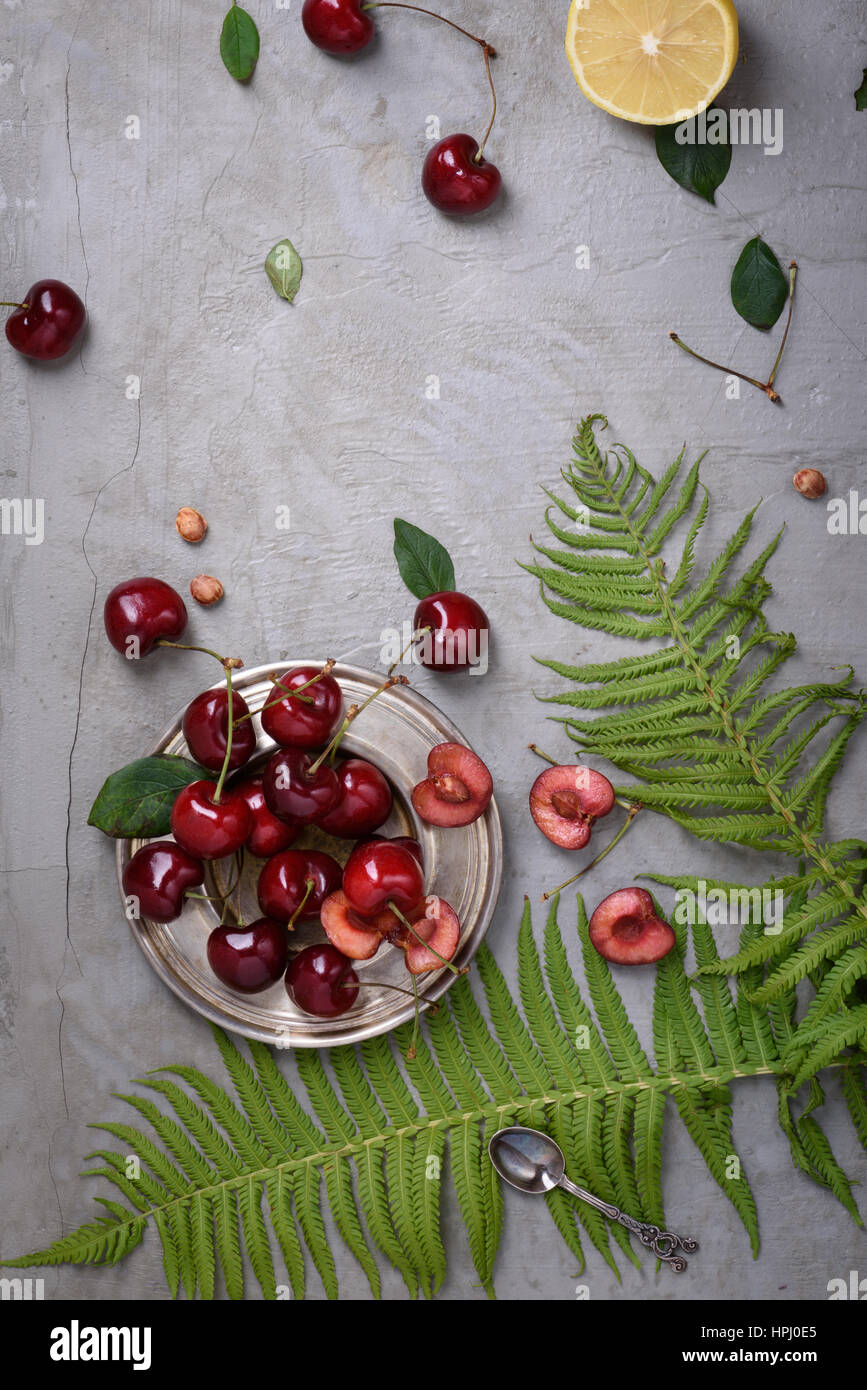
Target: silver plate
(463, 865)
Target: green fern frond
(218, 1174)
(695, 723)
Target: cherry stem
(308, 889)
(225, 661)
(10, 304)
(488, 52)
(547, 756)
(351, 714)
(381, 984)
(415, 637)
(793, 272)
(410, 928)
(765, 386)
(225, 768)
(633, 812)
(296, 694)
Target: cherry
(458, 631)
(356, 936)
(337, 26)
(48, 323)
(207, 828)
(269, 835)
(206, 726)
(283, 884)
(159, 875)
(249, 958)
(456, 179)
(415, 849)
(321, 981)
(292, 791)
(440, 929)
(139, 612)
(307, 723)
(626, 930)
(378, 873)
(565, 801)
(364, 801)
(457, 789)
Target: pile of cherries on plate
(377, 897)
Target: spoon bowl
(527, 1159)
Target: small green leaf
(284, 269)
(138, 799)
(759, 287)
(239, 44)
(699, 168)
(861, 94)
(425, 565)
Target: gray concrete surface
(248, 404)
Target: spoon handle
(662, 1243)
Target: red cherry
(364, 801)
(457, 789)
(250, 958)
(206, 828)
(357, 937)
(458, 632)
(440, 928)
(307, 723)
(565, 802)
(415, 849)
(283, 884)
(269, 835)
(48, 323)
(139, 612)
(321, 981)
(159, 875)
(626, 930)
(337, 26)
(454, 181)
(206, 727)
(378, 872)
(292, 791)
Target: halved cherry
(357, 937)
(565, 801)
(440, 929)
(457, 789)
(626, 930)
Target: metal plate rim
(438, 723)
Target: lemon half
(652, 61)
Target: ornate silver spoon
(532, 1162)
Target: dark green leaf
(425, 565)
(861, 94)
(700, 168)
(138, 799)
(284, 269)
(759, 287)
(239, 44)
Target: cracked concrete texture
(248, 404)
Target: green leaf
(759, 287)
(284, 269)
(239, 44)
(861, 94)
(425, 565)
(699, 168)
(137, 800)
